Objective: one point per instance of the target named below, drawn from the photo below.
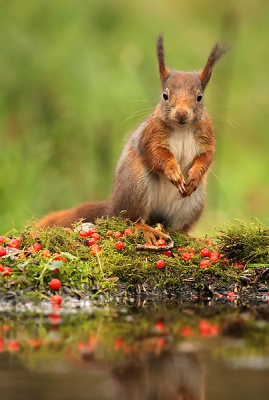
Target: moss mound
(240, 256)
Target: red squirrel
(161, 174)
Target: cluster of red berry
(12, 244)
(94, 237)
(187, 254)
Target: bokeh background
(77, 76)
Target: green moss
(82, 272)
(245, 241)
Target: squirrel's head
(182, 92)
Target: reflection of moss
(82, 272)
(117, 334)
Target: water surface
(154, 351)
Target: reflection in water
(175, 353)
(154, 373)
(173, 376)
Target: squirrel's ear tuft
(163, 70)
(217, 52)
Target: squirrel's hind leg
(152, 235)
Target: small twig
(99, 262)
(153, 248)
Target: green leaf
(258, 265)
(69, 256)
(54, 264)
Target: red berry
(205, 252)
(84, 233)
(95, 235)
(118, 234)
(3, 251)
(37, 246)
(56, 298)
(91, 241)
(14, 243)
(128, 232)
(231, 294)
(119, 245)
(214, 256)
(192, 251)
(95, 249)
(167, 253)
(55, 284)
(1, 268)
(204, 263)
(2, 239)
(148, 244)
(46, 253)
(160, 263)
(58, 257)
(238, 265)
(181, 249)
(224, 261)
(161, 242)
(187, 256)
(7, 271)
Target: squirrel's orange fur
(161, 174)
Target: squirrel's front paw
(176, 177)
(191, 184)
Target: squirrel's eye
(199, 97)
(165, 95)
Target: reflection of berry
(118, 343)
(56, 299)
(159, 325)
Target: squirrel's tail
(88, 211)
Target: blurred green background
(77, 76)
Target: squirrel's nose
(181, 114)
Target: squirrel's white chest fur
(184, 147)
(165, 200)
